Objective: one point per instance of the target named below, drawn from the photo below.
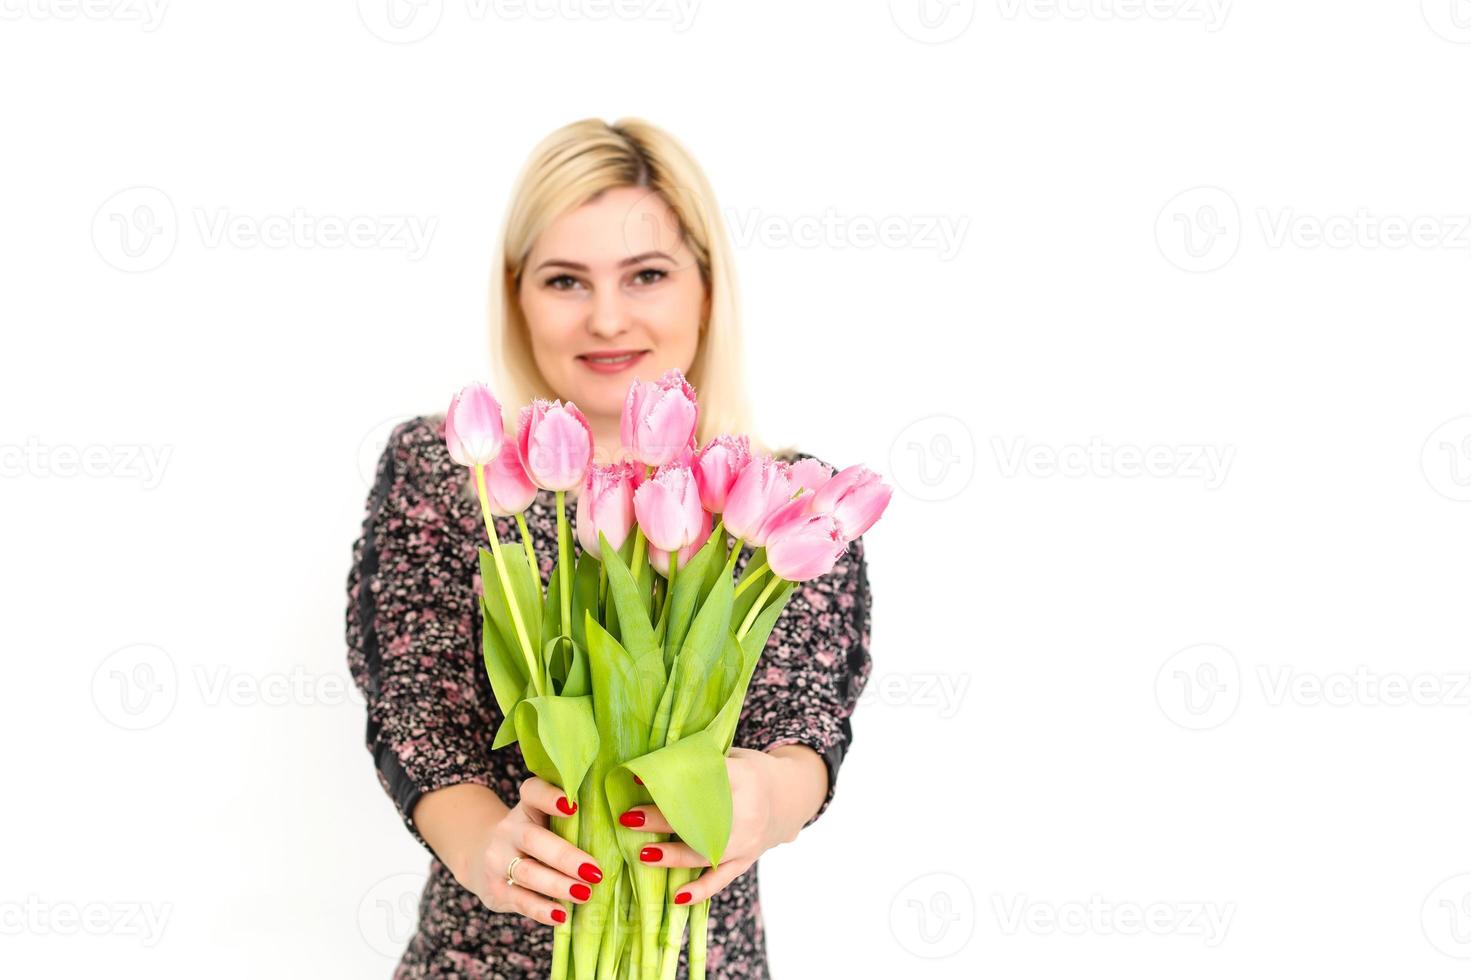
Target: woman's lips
(611, 362)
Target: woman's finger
(645, 817)
(672, 854)
(546, 798)
(712, 881)
(524, 901)
(558, 854)
(550, 883)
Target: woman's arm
(411, 628)
(457, 822)
(801, 787)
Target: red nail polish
(565, 807)
(559, 915)
(589, 872)
(581, 892)
(681, 898)
(631, 818)
(637, 780)
(650, 854)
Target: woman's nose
(609, 316)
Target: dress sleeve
(813, 669)
(411, 638)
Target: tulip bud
(809, 475)
(659, 558)
(554, 442)
(659, 419)
(762, 488)
(509, 489)
(473, 429)
(606, 505)
(806, 549)
(856, 496)
(716, 468)
(667, 506)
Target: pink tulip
(659, 558)
(473, 429)
(716, 468)
(506, 484)
(806, 549)
(554, 442)
(667, 506)
(810, 475)
(658, 418)
(856, 496)
(762, 487)
(606, 504)
(794, 511)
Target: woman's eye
(656, 275)
(563, 281)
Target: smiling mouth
(612, 357)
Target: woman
(614, 266)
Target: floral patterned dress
(413, 649)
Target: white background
(1196, 720)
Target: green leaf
(752, 646)
(690, 784)
(698, 671)
(748, 598)
(504, 663)
(689, 582)
(528, 596)
(506, 733)
(635, 631)
(584, 595)
(559, 739)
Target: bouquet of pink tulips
(624, 682)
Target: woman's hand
(759, 822)
(551, 870)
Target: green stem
(749, 577)
(530, 551)
(756, 608)
(699, 921)
(500, 567)
(564, 561)
(735, 553)
(668, 598)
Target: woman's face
(611, 292)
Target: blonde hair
(570, 167)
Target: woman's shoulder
(415, 459)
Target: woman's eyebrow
(631, 260)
